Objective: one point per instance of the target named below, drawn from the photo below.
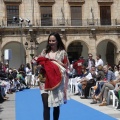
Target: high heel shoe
(94, 102)
(97, 98)
(103, 104)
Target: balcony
(12, 1)
(105, 1)
(66, 23)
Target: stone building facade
(86, 26)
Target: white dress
(56, 97)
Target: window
(12, 10)
(46, 16)
(76, 15)
(105, 15)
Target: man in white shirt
(99, 61)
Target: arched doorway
(41, 47)
(77, 49)
(107, 50)
(110, 50)
(18, 54)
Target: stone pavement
(7, 108)
(109, 110)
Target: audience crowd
(84, 74)
(14, 80)
(92, 78)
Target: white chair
(73, 84)
(91, 92)
(114, 98)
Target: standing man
(89, 62)
(78, 66)
(99, 61)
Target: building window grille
(46, 16)
(76, 15)
(105, 15)
(12, 10)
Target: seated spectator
(117, 93)
(100, 81)
(109, 85)
(2, 91)
(90, 82)
(84, 81)
(6, 85)
(20, 79)
(3, 96)
(22, 70)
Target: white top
(89, 76)
(89, 64)
(28, 71)
(116, 73)
(99, 62)
(56, 97)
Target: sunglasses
(83, 84)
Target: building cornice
(12, 1)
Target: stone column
(117, 57)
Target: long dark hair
(60, 45)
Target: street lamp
(20, 22)
(32, 45)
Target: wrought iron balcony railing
(66, 22)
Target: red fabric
(65, 60)
(78, 65)
(53, 74)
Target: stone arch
(69, 42)
(108, 49)
(18, 53)
(111, 39)
(41, 46)
(77, 48)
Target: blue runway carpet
(29, 107)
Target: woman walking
(54, 89)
